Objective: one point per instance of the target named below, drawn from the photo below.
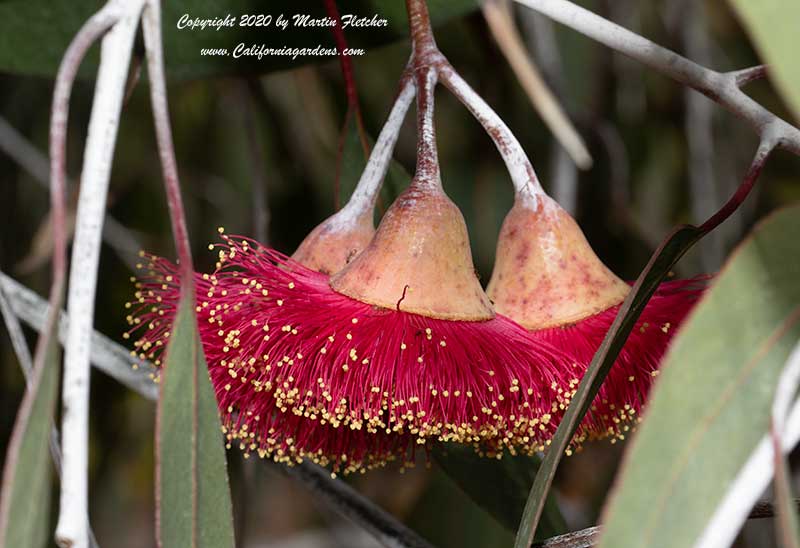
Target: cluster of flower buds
(369, 344)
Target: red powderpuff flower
(548, 279)
(400, 347)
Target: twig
(121, 239)
(501, 23)
(523, 176)
(427, 156)
(750, 74)
(427, 57)
(16, 335)
(72, 528)
(721, 87)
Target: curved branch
(72, 529)
(722, 88)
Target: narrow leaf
(713, 403)
(499, 486)
(773, 26)
(26, 493)
(193, 496)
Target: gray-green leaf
(193, 496)
(27, 477)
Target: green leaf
(499, 486)
(712, 404)
(193, 496)
(27, 477)
(35, 33)
(772, 24)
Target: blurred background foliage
(641, 128)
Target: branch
(115, 360)
(723, 88)
(72, 529)
(106, 355)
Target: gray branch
(721, 87)
(107, 356)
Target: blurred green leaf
(772, 24)
(25, 506)
(499, 486)
(34, 33)
(712, 404)
(193, 496)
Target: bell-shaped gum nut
(545, 272)
(335, 242)
(419, 261)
